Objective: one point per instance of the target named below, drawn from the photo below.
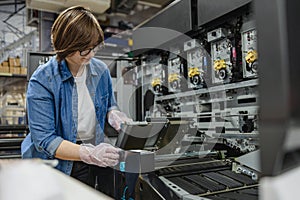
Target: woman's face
(79, 59)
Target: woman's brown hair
(75, 29)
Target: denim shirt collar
(66, 74)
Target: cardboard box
(23, 70)
(5, 64)
(11, 62)
(4, 69)
(17, 62)
(15, 70)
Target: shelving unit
(13, 123)
(11, 137)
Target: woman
(69, 98)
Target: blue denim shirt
(52, 108)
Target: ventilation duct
(97, 6)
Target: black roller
(230, 183)
(205, 183)
(187, 186)
(237, 196)
(239, 177)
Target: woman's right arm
(68, 151)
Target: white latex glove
(116, 118)
(102, 155)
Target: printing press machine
(170, 167)
(196, 93)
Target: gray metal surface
(170, 23)
(176, 16)
(279, 85)
(251, 160)
(209, 10)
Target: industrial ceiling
(14, 13)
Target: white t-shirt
(86, 109)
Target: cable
(124, 193)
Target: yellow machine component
(156, 82)
(130, 42)
(251, 56)
(219, 64)
(193, 72)
(173, 77)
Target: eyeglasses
(94, 49)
